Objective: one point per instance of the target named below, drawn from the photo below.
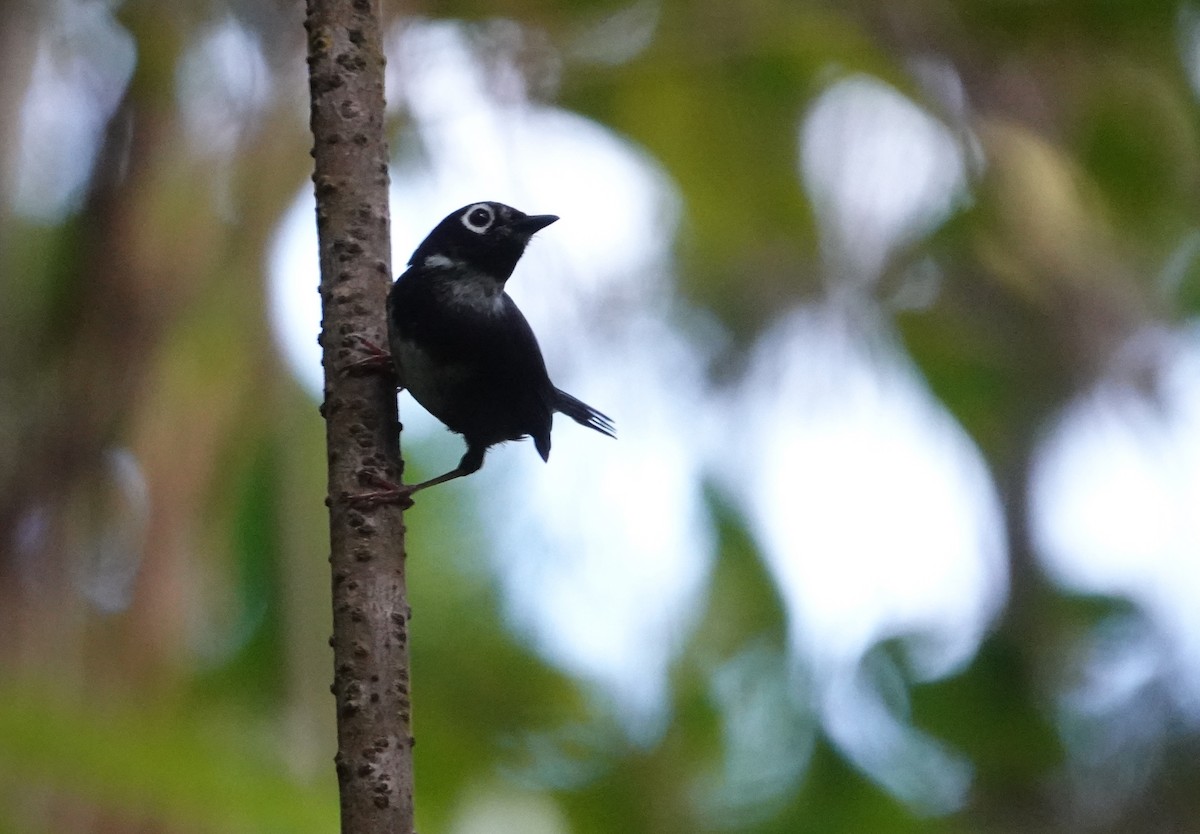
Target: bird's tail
(582, 413)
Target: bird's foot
(384, 492)
(376, 359)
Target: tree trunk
(370, 609)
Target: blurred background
(893, 303)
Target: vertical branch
(370, 610)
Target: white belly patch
(430, 385)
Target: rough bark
(370, 610)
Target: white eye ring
(478, 218)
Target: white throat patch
(475, 291)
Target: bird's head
(482, 237)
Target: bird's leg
(471, 461)
(456, 472)
(388, 492)
(377, 359)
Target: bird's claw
(385, 492)
(376, 360)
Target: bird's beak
(533, 223)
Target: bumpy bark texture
(370, 611)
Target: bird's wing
(520, 373)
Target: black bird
(462, 348)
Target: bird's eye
(478, 218)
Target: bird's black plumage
(463, 349)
